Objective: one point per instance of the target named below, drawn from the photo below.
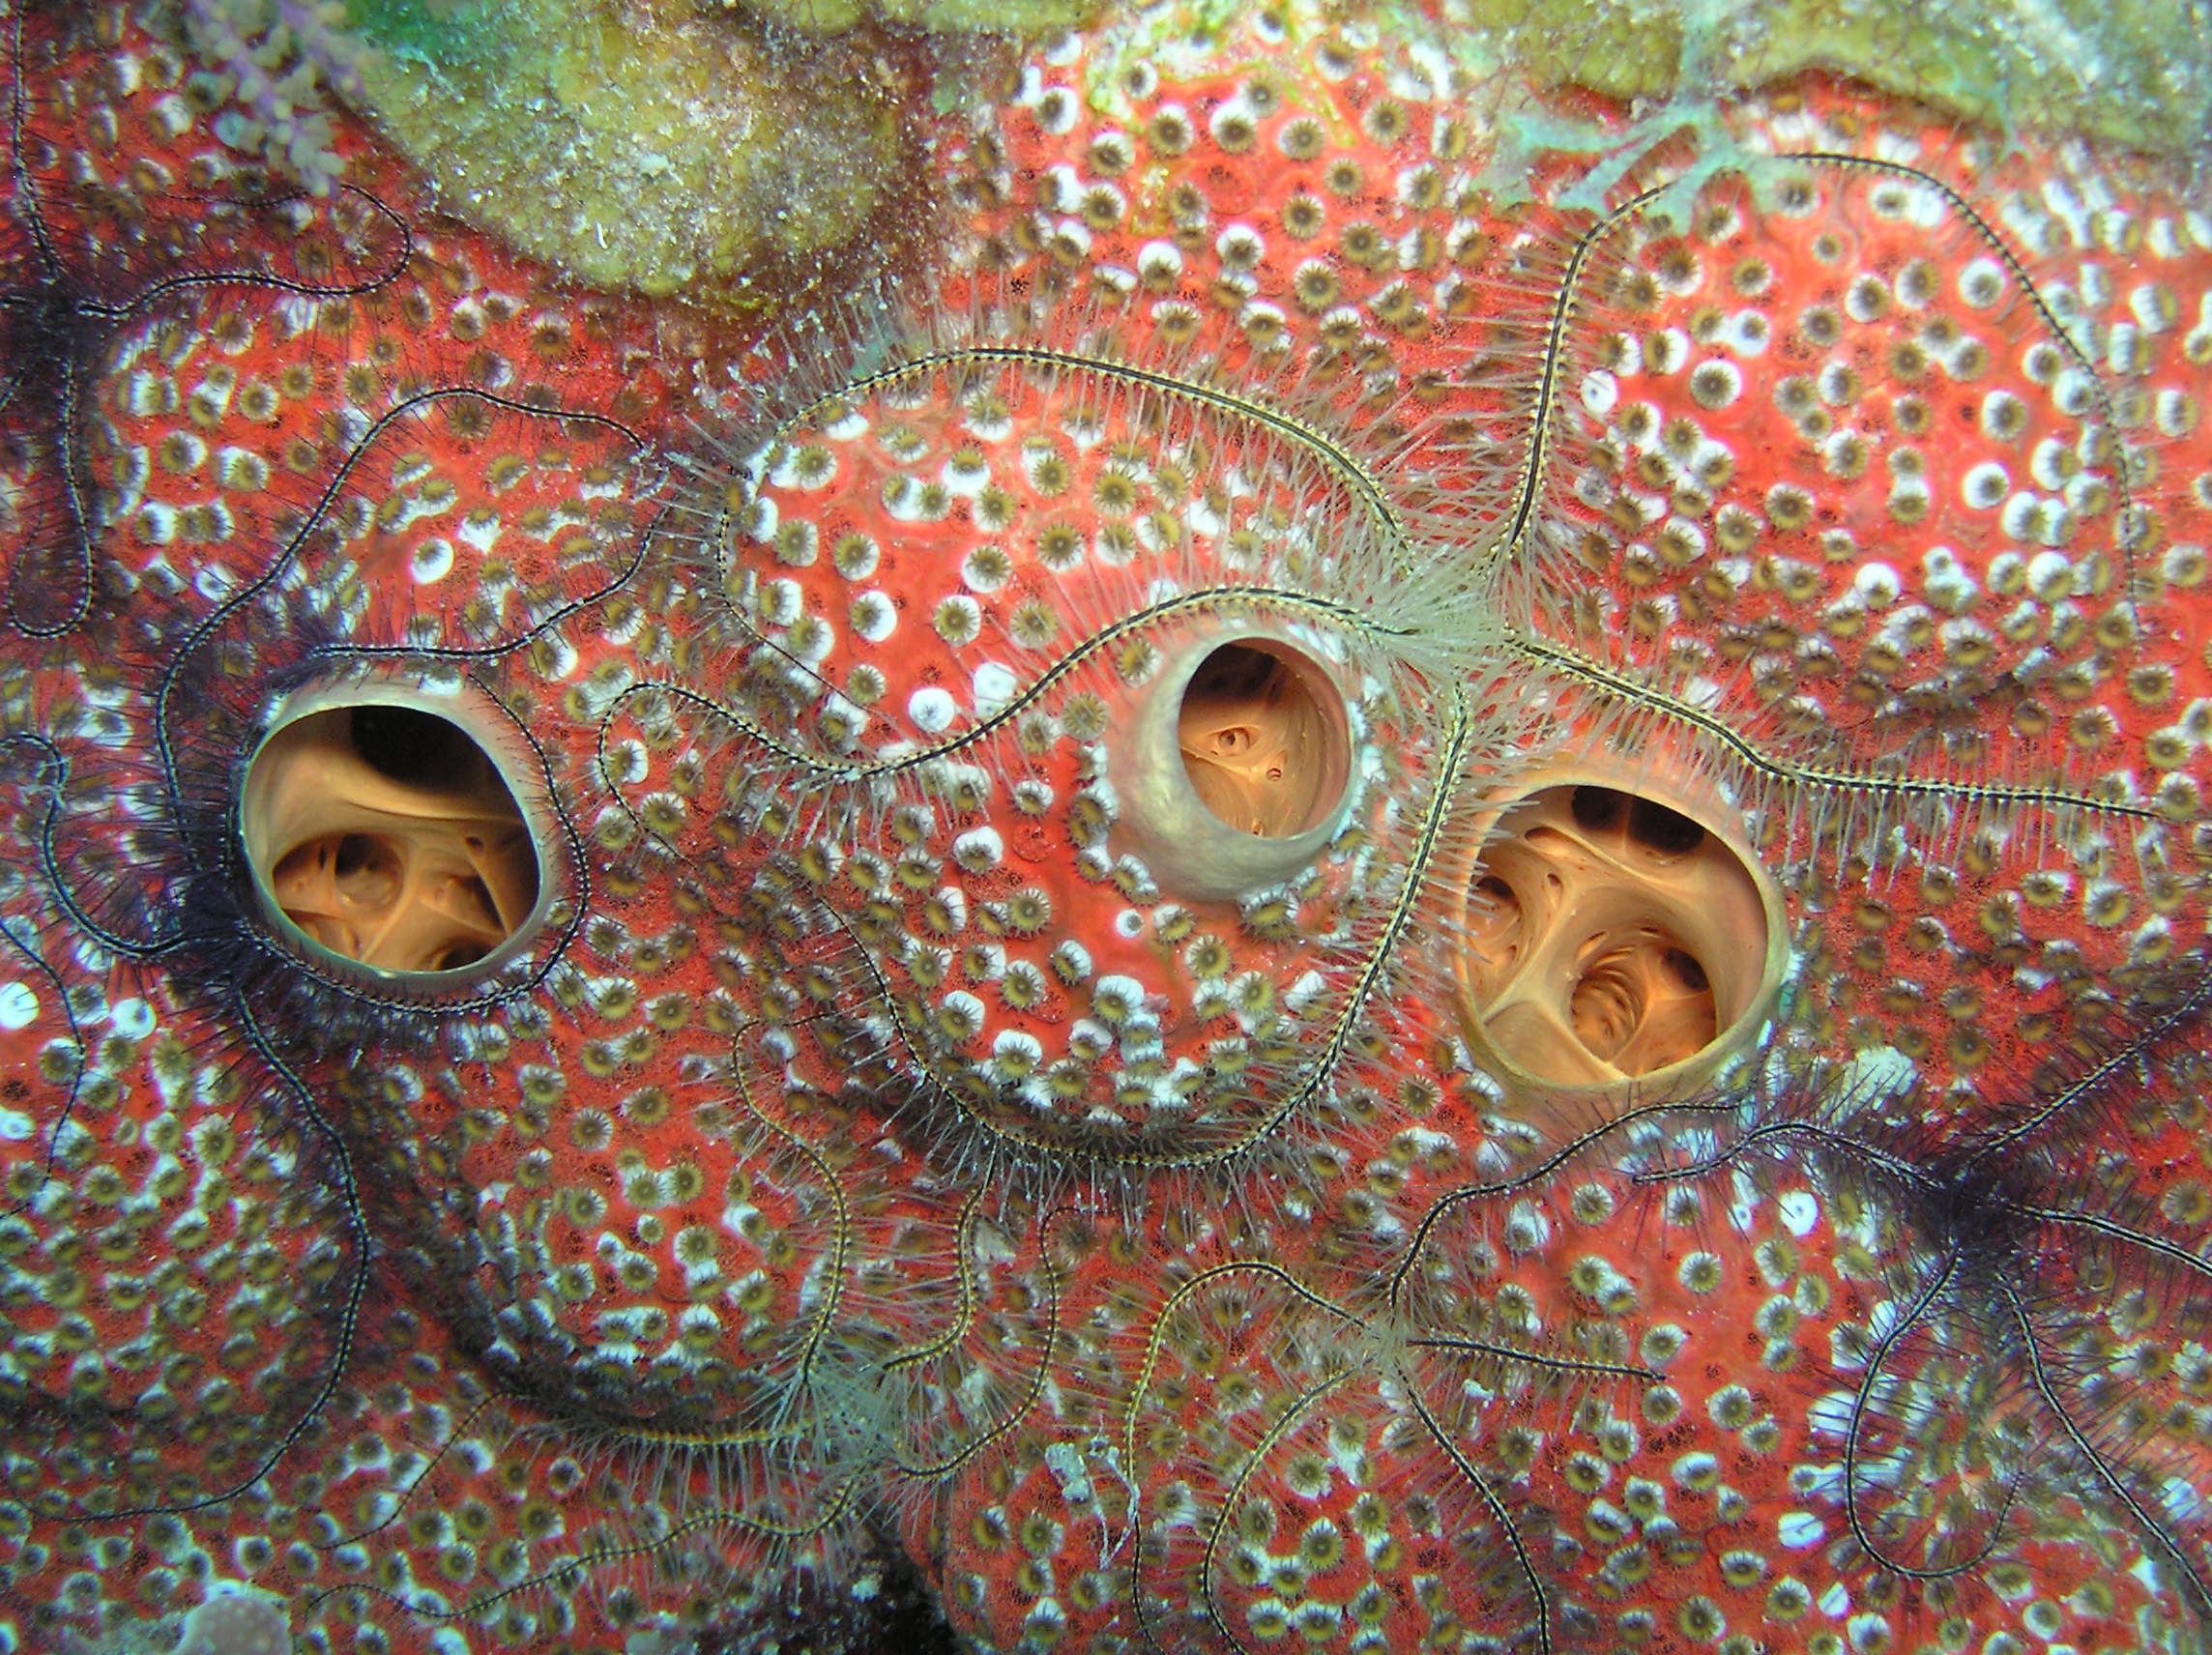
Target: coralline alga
(1078, 829)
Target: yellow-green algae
(1025, 17)
(2137, 71)
(653, 145)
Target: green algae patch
(429, 31)
(1619, 50)
(656, 148)
(1023, 18)
(2137, 71)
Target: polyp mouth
(1611, 937)
(386, 835)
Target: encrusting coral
(929, 1111)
